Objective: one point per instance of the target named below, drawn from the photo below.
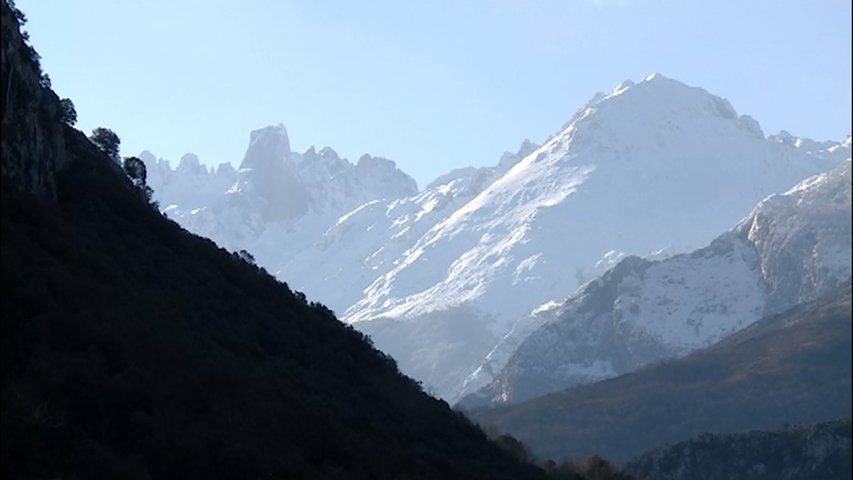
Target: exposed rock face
(803, 238)
(268, 169)
(33, 150)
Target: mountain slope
(368, 241)
(792, 367)
(629, 173)
(132, 349)
(789, 249)
(803, 452)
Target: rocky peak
(783, 137)
(329, 153)
(375, 164)
(832, 151)
(226, 170)
(147, 158)
(269, 149)
(526, 148)
(190, 164)
(268, 171)
(509, 159)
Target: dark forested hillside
(805, 452)
(132, 349)
(789, 368)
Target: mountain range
(450, 279)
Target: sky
(432, 85)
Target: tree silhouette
(68, 114)
(135, 170)
(107, 141)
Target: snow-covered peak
(671, 96)
(831, 151)
(659, 101)
(628, 173)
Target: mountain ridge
(789, 249)
(556, 212)
(533, 227)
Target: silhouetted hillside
(132, 349)
(788, 368)
(819, 451)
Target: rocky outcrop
(33, 141)
(269, 170)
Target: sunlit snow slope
(648, 166)
(790, 249)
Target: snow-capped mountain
(445, 279)
(279, 202)
(791, 248)
(647, 166)
(368, 241)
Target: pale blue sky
(433, 85)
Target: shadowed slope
(803, 452)
(133, 349)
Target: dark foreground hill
(818, 451)
(132, 349)
(789, 368)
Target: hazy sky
(433, 85)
